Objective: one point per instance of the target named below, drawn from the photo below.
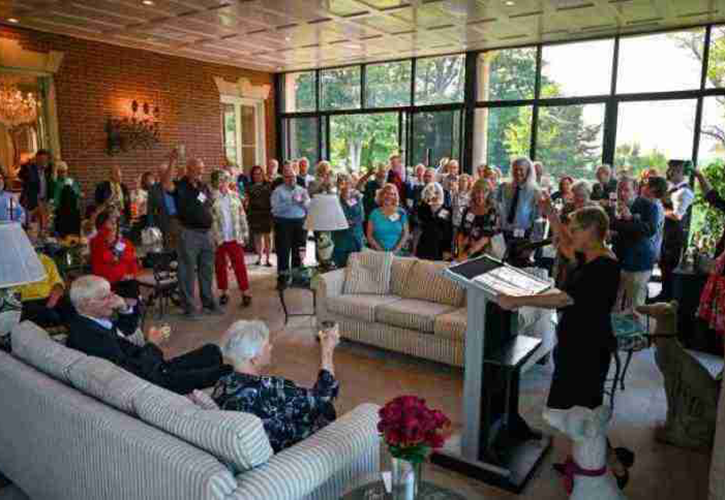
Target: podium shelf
(515, 352)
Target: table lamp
(324, 215)
(19, 265)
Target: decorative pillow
(202, 400)
(426, 282)
(399, 273)
(105, 381)
(33, 345)
(369, 273)
(233, 437)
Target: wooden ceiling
(284, 35)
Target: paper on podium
(512, 281)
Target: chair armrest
(326, 285)
(351, 442)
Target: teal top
(388, 230)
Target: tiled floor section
(367, 374)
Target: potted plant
(412, 431)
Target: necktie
(512, 208)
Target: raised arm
(167, 179)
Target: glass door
(435, 135)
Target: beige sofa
(421, 313)
(75, 427)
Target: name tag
(409, 202)
(351, 202)
(201, 198)
(470, 217)
(297, 197)
(120, 246)
(444, 214)
(69, 182)
(394, 217)
(519, 233)
(612, 196)
(475, 232)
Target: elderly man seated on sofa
(93, 332)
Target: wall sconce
(140, 130)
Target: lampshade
(325, 214)
(19, 264)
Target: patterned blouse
(290, 413)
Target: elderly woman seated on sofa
(290, 413)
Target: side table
(300, 279)
(372, 487)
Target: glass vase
(406, 478)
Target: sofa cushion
(358, 306)
(107, 382)
(369, 273)
(414, 314)
(452, 325)
(233, 437)
(426, 282)
(33, 345)
(399, 272)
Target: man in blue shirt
(162, 211)
(635, 231)
(10, 208)
(289, 209)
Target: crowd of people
(608, 235)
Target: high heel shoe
(246, 300)
(622, 480)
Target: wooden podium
(496, 445)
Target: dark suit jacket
(103, 192)
(93, 339)
(158, 215)
(30, 176)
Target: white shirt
(682, 197)
(226, 210)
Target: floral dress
(289, 413)
(712, 300)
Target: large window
(503, 133)
(651, 132)
(243, 131)
(660, 63)
(301, 138)
(362, 140)
(388, 84)
(439, 80)
(712, 131)
(340, 88)
(716, 62)
(577, 69)
(505, 75)
(299, 92)
(569, 139)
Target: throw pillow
(427, 282)
(368, 273)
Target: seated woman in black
(289, 413)
(479, 223)
(436, 225)
(585, 336)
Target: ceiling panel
(295, 34)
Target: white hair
(530, 182)
(431, 191)
(582, 187)
(244, 340)
(87, 288)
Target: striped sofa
(75, 427)
(423, 315)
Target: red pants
(236, 256)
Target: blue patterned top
(290, 413)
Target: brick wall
(97, 81)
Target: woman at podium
(585, 337)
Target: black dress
(436, 232)
(259, 211)
(474, 227)
(585, 337)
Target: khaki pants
(632, 290)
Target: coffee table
(372, 487)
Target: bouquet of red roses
(411, 429)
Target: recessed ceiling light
(13, 20)
(148, 2)
(510, 3)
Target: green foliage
(630, 155)
(708, 223)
